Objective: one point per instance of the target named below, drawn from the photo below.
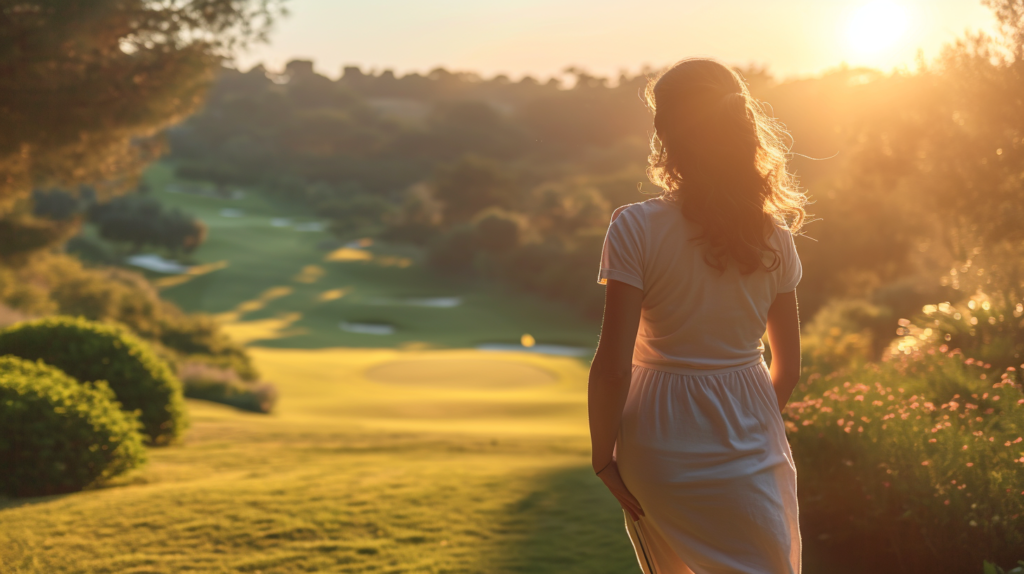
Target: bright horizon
(541, 39)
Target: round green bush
(57, 435)
(90, 351)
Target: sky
(542, 38)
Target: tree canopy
(85, 87)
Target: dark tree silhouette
(84, 86)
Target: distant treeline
(516, 180)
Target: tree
(86, 86)
(497, 231)
(141, 220)
(470, 185)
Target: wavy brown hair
(723, 159)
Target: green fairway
(363, 469)
(315, 294)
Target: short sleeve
(790, 270)
(622, 256)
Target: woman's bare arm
(610, 375)
(784, 340)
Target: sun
(876, 26)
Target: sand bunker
(436, 302)
(367, 328)
(463, 373)
(157, 264)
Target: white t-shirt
(694, 319)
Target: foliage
(91, 351)
(202, 381)
(454, 252)
(989, 329)
(435, 151)
(497, 231)
(990, 568)
(916, 464)
(57, 435)
(86, 85)
(141, 220)
(58, 284)
(922, 174)
(430, 170)
(356, 215)
(845, 331)
(55, 204)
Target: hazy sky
(541, 38)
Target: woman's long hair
(723, 159)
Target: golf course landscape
(404, 452)
(280, 279)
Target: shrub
(57, 435)
(497, 230)
(209, 383)
(142, 220)
(198, 337)
(96, 352)
(454, 252)
(844, 332)
(59, 284)
(915, 464)
(989, 568)
(986, 328)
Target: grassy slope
(352, 475)
(262, 257)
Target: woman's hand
(611, 478)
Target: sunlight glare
(876, 26)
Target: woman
(685, 417)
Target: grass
(357, 472)
(311, 295)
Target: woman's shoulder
(781, 234)
(641, 210)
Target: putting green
(353, 473)
(464, 373)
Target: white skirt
(707, 458)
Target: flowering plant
(917, 460)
